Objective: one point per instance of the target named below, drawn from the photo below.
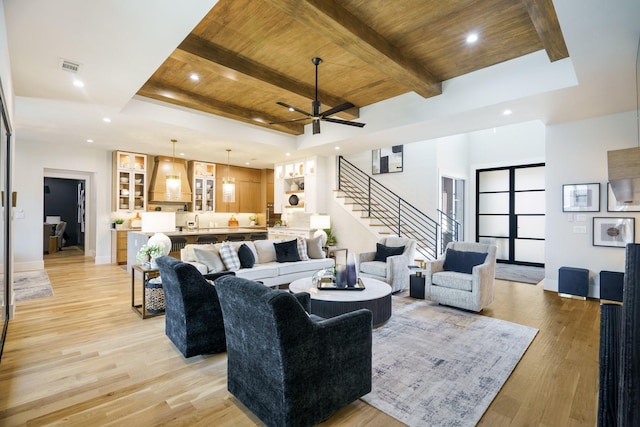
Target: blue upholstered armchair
(289, 368)
(193, 318)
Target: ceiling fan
(315, 107)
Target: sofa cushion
(187, 254)
(266, 251)
(314, 248)
(287, 251)
(259, 271)
(462, 261)
(311, 266)
(229, 257)
(383, 252)
(247, 259)
(452, 280)
(210, 258)
(302, 249)
(376, 268)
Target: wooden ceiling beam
(195, 48)
(177, 96)
(341, 27)
(544, 18)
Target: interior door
(6, 277)
(510, 212)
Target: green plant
(331, 238)
(148, 252)
(253, 217)
(118, 221)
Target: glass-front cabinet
(203, 181)
(295, 186)
(130, 181)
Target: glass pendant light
(228, 185)
(174, 184)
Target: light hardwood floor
(83, 357)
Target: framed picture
(387, 160)
(615, 206)
(614, 232)
(581, 197)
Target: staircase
(388, 214)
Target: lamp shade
(158, 222)
(319, 222)
(228, 190)
(174, 186)
(52, 219)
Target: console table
(147, 274)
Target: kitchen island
(136, 239)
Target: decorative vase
(294, 187)
(352, 275)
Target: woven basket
(154, 296)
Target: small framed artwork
(614, 205)
(581, 197)
(387, 160)
(613, 232)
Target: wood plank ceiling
(249, 54)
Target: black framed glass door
(510, 212)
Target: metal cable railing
(389, 211)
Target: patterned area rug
(438, 366)
(519, 273)
(31, 285)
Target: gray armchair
(464, 280)
(193, 318)
(393, 269)
(289, 368)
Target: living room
(572, 144)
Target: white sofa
(266, 269)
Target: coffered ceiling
(250, 54)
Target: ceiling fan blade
(343, 122)
(316, 126)
(289, 121)
(291, 107)
(337, 109)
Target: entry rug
(31, 285)
(519, 273)
(438, 366)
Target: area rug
(438, 366)
(31, 285)
(519, 273)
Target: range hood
(624, 174)
(162, 166)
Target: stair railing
(450, 230)
(388, 210)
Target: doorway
(452, 209)
(510, 212)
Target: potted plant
(148, 253)
(331, 238)
(119, 222)
(253, 219)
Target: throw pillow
(462, 261)
(287, 251)
(302, 249)
(383, 252)
(247, 260)
(229, 257)
(314, 248)
(265, 250)
(210, 258)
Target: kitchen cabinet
(119, 246)
(203, 181)
(296, 186)
(130, 178)
(248, 190)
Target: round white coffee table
(376, 297)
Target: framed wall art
(613, 232)
(581, 197)
(613, 205)
(387, 160)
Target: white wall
(577, 153)
(32, 160)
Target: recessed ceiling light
(78, 83)
(287, 154)
(106, 120)
(194, 77)
(182, 154)
(507, 112)
(89, 141)
(247, 163)
(337, 148)
(292, 109)
(472, 38)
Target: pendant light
(173, 178)
(228, 185)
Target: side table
(147, 274)
(416, 285)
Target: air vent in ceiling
(67, 65)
